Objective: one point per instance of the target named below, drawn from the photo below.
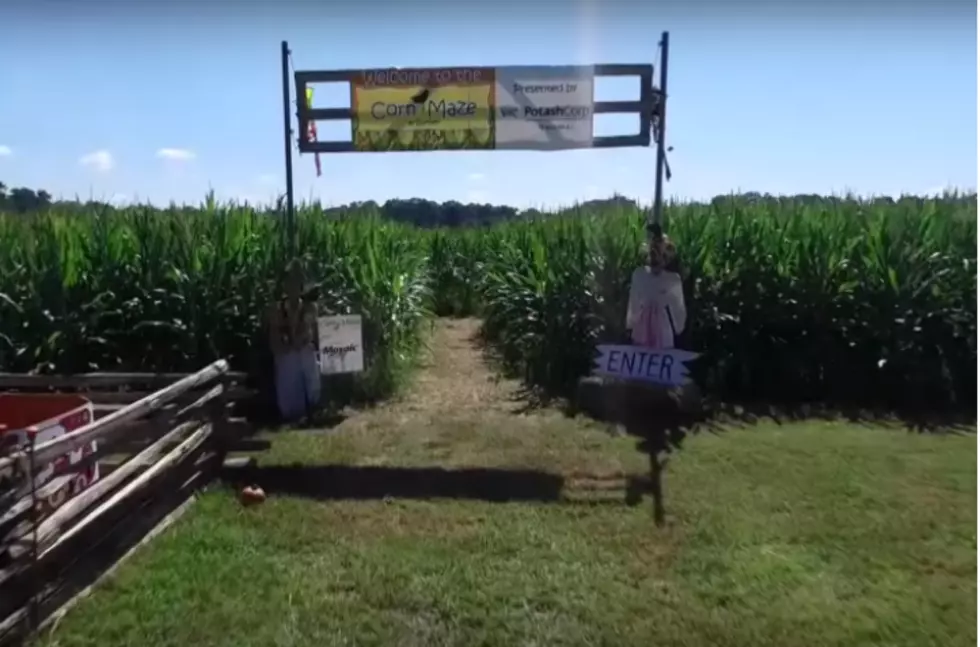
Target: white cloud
(6, 151)
(476, 177)
(100, 161)
(176, 154)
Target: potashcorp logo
(572, 113)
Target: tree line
(23, 200)
(421, 212)
(416, 211)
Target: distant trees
(430, 214)
(426, 213)
(416, 211)
(22, 199)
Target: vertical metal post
(287, 140)
(661, 126)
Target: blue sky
(161, 101)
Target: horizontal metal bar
(603, 69)
(599, 108)
(325, 114)
(615, 141)
(611, 107)
(621, 69)
(324, 76)
(326, 147)
(622, 141)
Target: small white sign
(340, 344)
(546, 108)
(655, 365)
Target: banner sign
(339, 344)
(478, 108)
(664, 366)
(423, 109)
(544, 108)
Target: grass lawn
(811, 534)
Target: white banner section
(546, 108)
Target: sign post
(660, 130)
(522, 107)
(290, 215)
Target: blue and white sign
(664, 366)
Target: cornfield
(148, 290)
(836, 300)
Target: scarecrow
(656, 312)
(292, 337)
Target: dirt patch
(459, 413)
(455, 378)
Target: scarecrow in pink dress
(656, 312)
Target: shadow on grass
(345, 482)
(717, 416)
(713, 415)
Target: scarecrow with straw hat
(292, 337)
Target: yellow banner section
(419, 118)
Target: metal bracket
(656, 105)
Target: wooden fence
(158, 439)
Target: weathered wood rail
(159, 438)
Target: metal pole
(287, 140)
(661, 126)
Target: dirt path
(455, 378)
(459, 412)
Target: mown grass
(814, 533)
(806, 534)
